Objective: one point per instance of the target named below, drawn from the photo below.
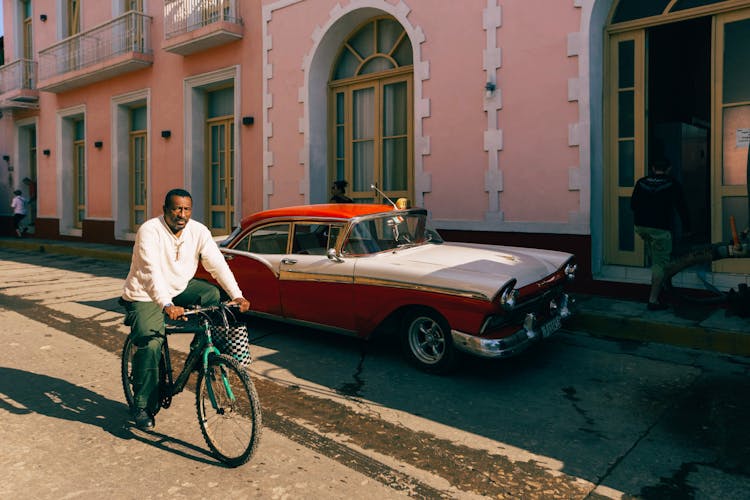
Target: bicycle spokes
(228, 410)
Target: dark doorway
(679, 114)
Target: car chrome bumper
(532, 331)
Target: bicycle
(226, 400)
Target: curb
(639, 330)
(62, 248)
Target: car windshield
(389, 232)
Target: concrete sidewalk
(691, 324)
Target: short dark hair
(176, 192)
(660, 164)
(17, 192)
(341, 184)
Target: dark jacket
(341, 198)
(655, 199)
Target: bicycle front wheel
(232, 426)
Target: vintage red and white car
(367, 269)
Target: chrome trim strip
(293, 275)
(493, 348)
(250, 255)
(422, 288)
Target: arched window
(371, 112)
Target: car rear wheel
(426, 341)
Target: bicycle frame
(202, 351)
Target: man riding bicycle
(161, 281)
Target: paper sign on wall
(743, 137)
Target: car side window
(310, 239)
(314, 238)
(270, 239)
(243, 244)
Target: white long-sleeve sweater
(163, 264)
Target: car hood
(471, 269)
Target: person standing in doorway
(338, 192)
(18, 204)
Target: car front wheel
(426, 341)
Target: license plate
(551, 326)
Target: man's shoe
(657, 306)
(143, 420)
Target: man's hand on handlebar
(242, 302)
(174, 312)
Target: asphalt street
(581, 418)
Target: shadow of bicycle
(24, 393)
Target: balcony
(18, 85)
(116, 47)
(191, 26)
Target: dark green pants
(146, 320)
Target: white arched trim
(342, 19)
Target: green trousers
(146, 320)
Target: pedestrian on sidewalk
(161, 282)
(19, 206)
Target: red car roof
(328, 210)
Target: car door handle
(288, 261)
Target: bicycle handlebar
(203, 309)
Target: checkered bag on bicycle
(232, 338)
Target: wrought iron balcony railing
(192, 26)
(18, 84)
(182, 16)
(18, 75)
(96, 54)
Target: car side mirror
(333, 255)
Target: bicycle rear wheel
(232, 429)
(126, 369)
(126, 373)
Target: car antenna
(373, 186)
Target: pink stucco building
(522, 122)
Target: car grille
(538, 305)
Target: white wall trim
(579, 178)
(594, 15)
(193, 138)
(120, 161)
(19, 156)
(63, 143)
(492, 20)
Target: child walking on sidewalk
(19, 212)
